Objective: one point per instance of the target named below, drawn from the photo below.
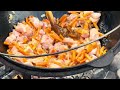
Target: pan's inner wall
(108, 21)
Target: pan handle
(103, 61)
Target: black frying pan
(108, 21)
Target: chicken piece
(58, 47)
(46, 46)
(22, 39)
(10, 39)
(15, 51)
(24, 29)
(52, 65)
(87, 12)
(86, 40)
(36, 22)
(93, 52)
(94, 34)
(36, 60)
(46, 41)
(95, 17)
(71, 17)
(17, 34)
(80, 49)
(74, 45)
(39, 46)
(51, 49)
(45, 25)
(41, 32)
(56, 63)
(93, 57)
(80, 23)
(67, 62)
(86, 35)
(70, 41)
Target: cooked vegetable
(33, 36)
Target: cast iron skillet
(108, 21)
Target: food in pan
(35, 37)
